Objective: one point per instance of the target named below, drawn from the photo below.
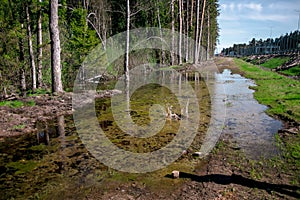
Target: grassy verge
(275, 62)
(282, 95)
(279, 93)
(294, 71)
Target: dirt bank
(22, 120)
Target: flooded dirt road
(53, 163)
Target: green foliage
(17, 103)
(78, 36)
(20, 126)
(275, 62)
(81, 40)
(294, 71)
(38, 92)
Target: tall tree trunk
(201, 29)
(161, 36)
(22, 70)
(40, 49)
(180, 32)
(31, 53)
(208, 35)
(192, 12)
(173, 32)
(187, 32)
(197, 33)
(126, 67)
(55, 48)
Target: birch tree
(197, 33)
(180, 32)
(201, 30)
(126, 67)
(173, 32)
(40, 48)
(208, 35)
(30, 48)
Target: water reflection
(247, 123)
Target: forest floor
(227, 173)
(21, 119)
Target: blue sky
(240, 21)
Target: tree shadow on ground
(292, 191)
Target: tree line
(44, 42)
(285, 44)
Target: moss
(22, 166)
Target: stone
(175, 174)
(198, 154)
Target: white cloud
(232, 6)
(224, 7)
(269, 17)
(241, 6)
(254, 6)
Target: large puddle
(246, 121)
(55, 159)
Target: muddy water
(247, 124)
(54, 162)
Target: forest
(285, 44)
(44, 42)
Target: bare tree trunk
(161, 36)
(180, 32)
(40, 49)
(126, 67)
(197, 33)
(173, 32)
(22, 70)
(208, 35)
(187, 32)
(55, 48)
(192, 12)
(31, 54)
(201, 28)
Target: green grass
(17, 103)
(275, 62)
(280, 93)
(294, 71)
(20, 126)
(38, 92)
